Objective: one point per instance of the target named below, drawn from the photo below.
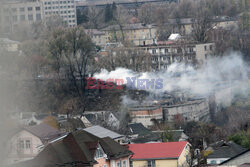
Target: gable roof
(236, 156)
(169, 150)
(44, 132)
(226, 150)
(138, 128)
(102, 132)
(77, 148)
(110, 147)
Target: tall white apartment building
(64, 8)
(13, 12)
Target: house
(177, 135)
(82, 149)
(103, 132)
(222, 151)
(112, 119)
(27, 142)
(140, 134)
(105, 118)
(170, 154)
(242, 159)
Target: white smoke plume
(227, 71)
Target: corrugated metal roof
(102, 132)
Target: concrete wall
(101, 162)
(191, 111)
(185, 157)
(136, 36)
(145, 116)
(203, 51)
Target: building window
(21, 9)
(30, 17)
(154, 51)
(7, 18)
(38, 8)
(213, 162)
(22, 17)
(38, 17)
(130, 163)
(21, 144)
(151, 163)
(13, 9)
(30, 8)
(99, 152)
(205, 47)
(118, 164)
(211, 47)
(14, 18)
(124, 163)
(27, 144)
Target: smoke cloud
(218, 73)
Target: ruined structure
(165, 111)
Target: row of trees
(154, 13)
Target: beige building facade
(17, 12)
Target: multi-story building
(16, 12)
(63, 8)
(204, 51)
(13, 13)
(138, 34)
(166, 53)
(98, 37)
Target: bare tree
(146, 13)
(130, 58)
(201, 25)
(94, 15)
(72, 52)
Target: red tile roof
(157, 150)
